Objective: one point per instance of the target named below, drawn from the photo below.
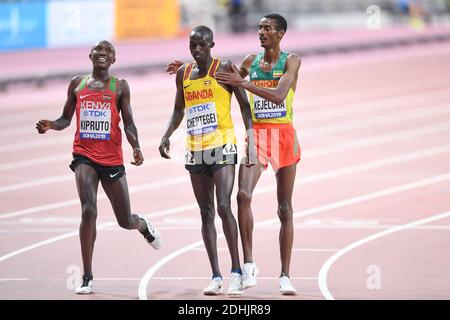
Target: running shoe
(152, 235)
(235, 288)
(85, 286)
(286, 287)
(249, 273)
(214, 288)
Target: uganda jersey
(265, 111)
(208, 119)
(98, 135)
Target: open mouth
(102, 59)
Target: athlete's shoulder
(294, 56)
(249, 58)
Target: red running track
(371, 201)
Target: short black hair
(279, 19)
(204, 31)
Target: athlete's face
(268, 33)
(103, 54)
(200, 46)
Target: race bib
(265, 109)
(189, 158)
(95, 124)
(201, 118)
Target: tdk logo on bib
(201, 118)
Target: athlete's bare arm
(287, 81)
(244, 69)
(63, 121)
(130, 129)
(177, 115)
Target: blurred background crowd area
(70, 23)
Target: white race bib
(201, 118)
(265, 109)
(95, 124)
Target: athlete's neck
(100, 75)
(271, 55)
(203, 65)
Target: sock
(236, 271)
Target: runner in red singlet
(98, 99)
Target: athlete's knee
(207, 214)
(285, 211)
(244, 197)
(88, 212)
(224, 208)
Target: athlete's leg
(224, 181)
(285, 187)
(87, 184)
(204, 193)
(248, 178)
(117, 192)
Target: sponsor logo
(87, 95)
(207, 82)
(254, 75)
(113, 175)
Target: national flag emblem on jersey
(207, 82)
(106, 97)
(277, 73)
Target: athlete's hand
(231, 78)
(250, 158)
(138, 157)
(173, 67)
(43, 126)
(164, 148)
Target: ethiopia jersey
(208, 119)
(265, 111)
(98, 136)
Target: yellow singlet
(208, 119)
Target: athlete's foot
(249, 273)
(214, 288)
(85, 286)
(152, 235)
(286, 287)
(236, 288)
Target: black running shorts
(104, 172)
(207, 162)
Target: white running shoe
(286, 287)
(85, 286)
(214, 288)
(154, 233)
(236, 288)
(249, 273)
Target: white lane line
(327, 265)
(346, 146)
(271, 187)
(203, 249)
(142, 289)
(417, 113)
(313, 250)
(13, 279)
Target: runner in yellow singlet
(211, 153)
